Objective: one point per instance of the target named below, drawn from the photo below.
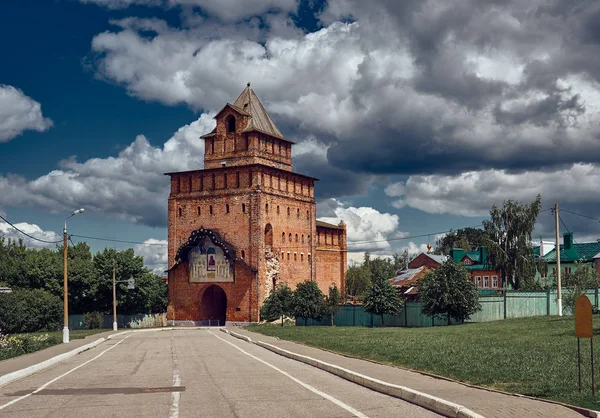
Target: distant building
(572, 254)
(406, 281)
(433, 261)
(482, 274)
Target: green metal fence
(76, 321)
(512, 304)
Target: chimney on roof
(568, 240)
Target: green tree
(308, 301)
(25, 310)
(465, 238)
(358, 279)
(381, 298)
(509, 244)
(148, 296)
(333, 301)
(449, 292)
(584, 277)
(278, 304)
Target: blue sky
(411, 130)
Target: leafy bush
(93, 320)
(150, 321)
(17, 345)
(25, 310)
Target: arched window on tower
(297, 213)
(283, 237)
(180, 212)
(290, 237)
(278, 209)
(230, 123)
(267, 208)
(227, 208)
(296, 237)
(269, 235)
(243, 255)
(243, 208)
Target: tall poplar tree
(510, 249)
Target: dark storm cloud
(334, 182)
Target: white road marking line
(45, 385)
(301, 383)
(175, 395)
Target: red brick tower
(244, 223)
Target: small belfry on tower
(246, 207)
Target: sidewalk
(21, 362)
(487, 403)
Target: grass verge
(19, 344)
(530, 356)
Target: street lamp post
(65, 282)
(130, 285)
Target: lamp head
(78, 211)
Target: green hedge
(29, 311)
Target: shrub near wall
(29, 311)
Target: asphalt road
(191, 373)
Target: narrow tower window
(243, 208)
(180, 212)
(230, 124)
(210, 209)
(227, 208)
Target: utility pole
(114, 299)
(65, 289)
(558, 293)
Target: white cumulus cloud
(19, 113)
(130, 186)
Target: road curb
(236, 335)
(433, 403)
(27, 371)
(19, 374)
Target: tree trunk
(332, 315)
(305, 322)
(382, 322)
(448, 314)
(281, 320)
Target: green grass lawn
(530, 356)
(20, 344)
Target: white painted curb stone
(433, 403)
(19, 374)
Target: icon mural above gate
(208, 263)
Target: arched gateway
(214, 306)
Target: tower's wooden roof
(259, 118)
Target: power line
(27, 235)
(118, 240)
(579, 214)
